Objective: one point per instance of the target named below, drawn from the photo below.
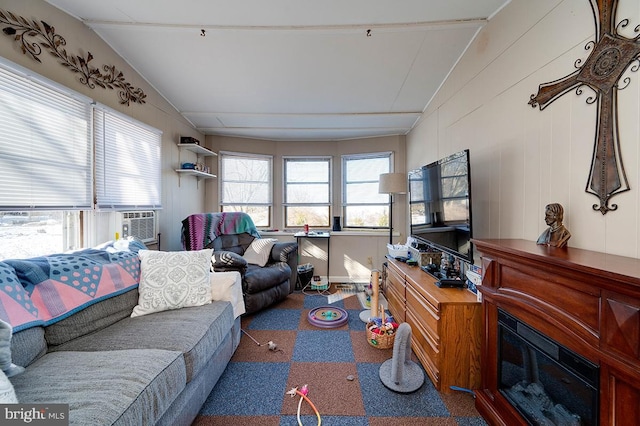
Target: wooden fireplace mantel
(584, 300)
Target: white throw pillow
(7, 394)
(259, 250)
(173, 280)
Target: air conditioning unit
(139, 224)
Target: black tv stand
(445, 282)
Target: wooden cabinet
(395, 293)
(586, 301)
(445, 325)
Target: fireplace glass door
(547, 383)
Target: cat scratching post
(399, 373)
(375, 297)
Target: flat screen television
(440, 205)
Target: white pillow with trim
(173, 280)
(259, 251)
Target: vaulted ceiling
(303, 70)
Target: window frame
(222, 155)
(345, 204)
(286, 204)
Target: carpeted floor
(252, 390)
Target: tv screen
(440, 205)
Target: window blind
(45, 145)
(245, 179)
(128, 162)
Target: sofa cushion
(173, 280)
(92, 319)
(259, 251)
(228, 260)
(28, 345)
(257, 279)
(236, 243)
(132, 387)
(196, 332)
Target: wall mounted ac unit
(139, 224)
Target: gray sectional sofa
(111, 368)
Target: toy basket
(378, 340)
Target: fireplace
(558, 322)
(546, 382)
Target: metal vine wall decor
(611, 56)
(33, 36)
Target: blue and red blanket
(44, 290)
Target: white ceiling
(291, 69)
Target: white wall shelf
(199, 174)
(200, 151)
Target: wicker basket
(379, 341)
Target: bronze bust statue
(556, 235)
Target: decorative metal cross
(602, 71)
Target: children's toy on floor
(303, 392)
(328, 317)
(381, 331)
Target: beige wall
(180, 196)
(523, 158)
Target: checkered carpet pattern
(339, 367)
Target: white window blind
(245, 179)
(128, 162)
(45, 145)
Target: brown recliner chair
(229, 235)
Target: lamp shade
(392, 183)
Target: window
(127, 162)
(45, 164)
(362, 205)
(307, 191)
(49, 153)
(45, 145)
(25, 234)
(246, 185)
